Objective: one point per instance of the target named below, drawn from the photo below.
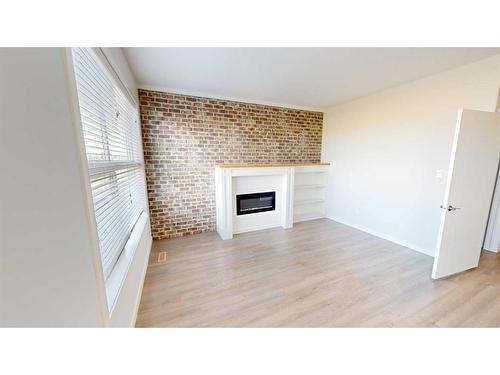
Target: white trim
(116, 279)
(492, 240)
(289, 196)
(383, 236)
(85, 178)
(257, 171)
(101, 56)
(170, 90)
(143, 276)
(224, 203)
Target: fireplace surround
(259, 196)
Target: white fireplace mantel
(233, 179)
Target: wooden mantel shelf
(269, 165)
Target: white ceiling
(296, 77)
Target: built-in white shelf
(310, 215)
(309, 193)
(309, 170)
(310, 186)
(309, 201)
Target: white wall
(48, 270)
(47, 276)
(386, 149)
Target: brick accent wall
(184, 136)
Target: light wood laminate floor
(318, 274)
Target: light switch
(439, 174)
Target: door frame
(492, 238)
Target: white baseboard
(143, 277)
(308, 218)
(384, 236)
(492, 250)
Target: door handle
(450, 208)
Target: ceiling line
(230, 98)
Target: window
(113, 146)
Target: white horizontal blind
(112, 143)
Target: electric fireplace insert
(255, 202)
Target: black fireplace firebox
(255, 202)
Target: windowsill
(117, 277)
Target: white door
(471, 180)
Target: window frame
(111, 286)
